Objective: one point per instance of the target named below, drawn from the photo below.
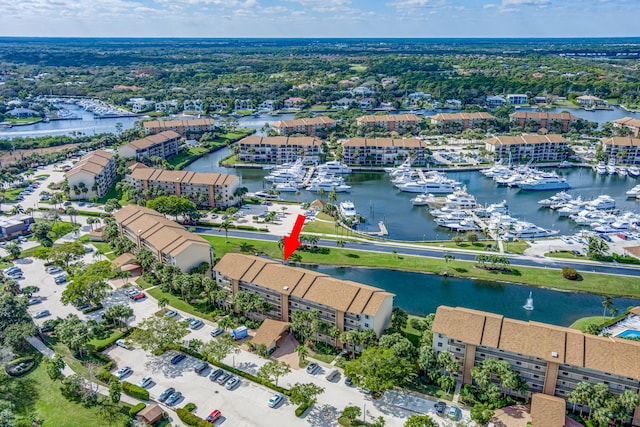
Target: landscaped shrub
(135, 391)
(191, 420)
(20, 366)
(626, 259)
(190, 406)
(105, 345)
(92, 309)
(134, 410)
(300, 410)
(569, 273)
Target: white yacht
(545, 182)
(460, 199)
(611, 166)
(602, 203)
(601, 168)
(634, 192)
(527, 230)
(565, 164)
(287, 187)
(622, 171)
(633, 171)
(347, 209)
(420, 200)
(329, 184)
(494, 208)
(428, 187)
(334, 166)
(561, 197)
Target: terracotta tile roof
(534, 115)
(547, 411)
(304, 284)
(526, 139)
(462, 116)
(385, 142)
(187, 177)
(623, 141)
(307, 141)
(305, 122)
(389, 118)
(269, 332)
(628, 121)
(151, 140)
(93, 163)
(551, 343)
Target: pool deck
(630, 322)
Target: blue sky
(320, 18)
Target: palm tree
(447, 258)
(225, 226)
(303, 352)
(163, 302)
(607, 304)
(17, 209)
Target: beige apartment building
(94, 172)
(551, 359)
(203, 188)
(164, 144)
(183, 127)
(530, 147)
(344, 304)
(168, 240)
(625, 149)
(400, 123)
(384, 151)
(315, 126)
(279, 149)
(455, 122)
(552, 122)
(630, 123)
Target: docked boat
(287, 187)
(634, 192)
(347, 209)
(334, 166)
(427, 187)
(494, 208)
(420, 200)
(633, 171)
(545, 182)
(622, 171)
(266, 195)
(611, 166)
(527, 230)
(603, 202)
(565, 164)
(601, 168)
(561, 197)
(460, 199)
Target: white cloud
(506, 3)
(409, 4)
(489, 6)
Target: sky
(320, 18)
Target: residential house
(170, 242)
(453, 104)
(344, 304)
(269, 104)
(453, 122)
(367, 103)
(362, 91)
(344, 103)
(166, 106)
(139, 105)
(193, 105)
(218, 105)
(553, 122)
(92, 175)
(279, 149)
(495, 101)
(415, 96)
(386, 81)
(390, 122)
(384, 151)
(203, 188)
(310, 126)
(164, 145)
(588, 100)
(22, 113)
(552, 360)
(15, 225)
(517, 99)
(625, 149)
(294, 102)
(183, 127)
(630, 123)
(531, 147)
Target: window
(366, 325)
(439, 344)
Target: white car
(53, 269)
(145, 381)
(122, 372)
(122, 343)
(275, 400)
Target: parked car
(42, 313)
(232, 383)
(138, 297)
(165, 394)
(215, 374)
(275, 400)
(214, 416)
(454, 413)
(178, 358)
(171, 313)
(12, 269)
(222, 379)
(145, 381)
(53, 269)
(217, 331)
(174, 398)
(131, 292)
(332, 374)
(60, 279)
(122, 372)
(122, 343)
(348, 381)
(312, 368)
(200, 367)
(196, 323)
(440, 407)
(34, 301)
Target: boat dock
(484, 226)
(382, 232)
(307, 176)
(421, 174)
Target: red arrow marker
(291, 242)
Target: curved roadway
(404, 249)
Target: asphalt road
(389, 247)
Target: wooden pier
(307, 176)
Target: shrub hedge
(135, 409)
(190, 406)
(569, 273)
(92, 309)
(11, 365)
(300, 410)
(135, 391)
(191, 420)
(105, 345)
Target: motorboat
(427, 186)
(420, 200)
(561, 197)
(565, 164)
(633, 171)
(266, 195)
(622, 171)
(494, 208)
(287, 187)
(460, 199)
(634, 192)
(527, 230)
(611, 166)
(334, 166)
(347, 209)
(601, 168)
(545, 182)
(603, 202)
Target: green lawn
(601, 284)
(517, 247)
(177, 303)
(107, 337)
(106, 250)
(581, 324)
(411, 333)
(563, 255)
(36, 393)
(181, 160)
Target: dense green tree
(399, 319)
(273, 370)
(481, 413)
(400, 345)
(115, 390)
(74, 333)
(54, 366)
(416, 420)
(157, 334)
(304, 393)
(219, 348)
(379, 369)
(118, 314)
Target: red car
(214, 416)
(139, 296)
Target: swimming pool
(629, 333)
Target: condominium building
(346, 305)
(630, 123)
(279, 149)
(203, 188)
(625, 149)
(92, 175)
(384, 151)
(183, 127)
(391, 122)
(551, 359)
(531, 147)
(538, 120)
(310, 127)
(166, 239)
(164, 144)
(453, 122)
